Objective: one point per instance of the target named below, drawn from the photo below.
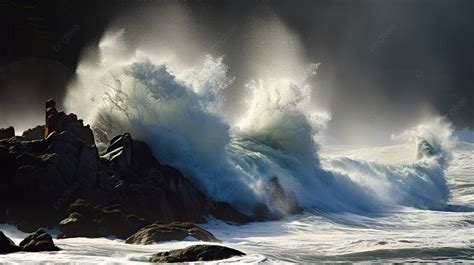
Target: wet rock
(196, 253)
(36, 133)
(159, 232)
(225, 212)
(153, 191)
(7, 133)
(38, 241)
(78, 225)
(60, 122)
(7, 245)
(51, 166)
(284, 203)
(86, 220)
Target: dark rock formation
(196, 253)
(225, 212)
(36, 133)
(159, 232)
(51, 166)
(41, 176)
(136, 180)
(284, 204)
(7, 245)
(7, 133)
(85, 220)
(38, 241)
(59, 121)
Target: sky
(384, 65)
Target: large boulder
(196, 253)
(38, 241)
(159, 232)
(7, 245)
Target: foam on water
(401, 235)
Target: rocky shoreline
(53, 176)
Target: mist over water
(178, 106)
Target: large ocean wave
(178, 113)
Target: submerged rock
(196, 253)
(7, 245)
(159, 232)
(38, 241)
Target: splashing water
(178, 113)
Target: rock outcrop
(196, 253)
(49, 167)
(42, 175)
(7, 133)
(159, 232)
(136, 180)
(58, 121)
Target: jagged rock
(7, 245)
(38, 241)
(45, 174)
(86, 220)
(159, 232)
(196, 253)
(36, 133)
(7, 133)
(60, 122)
(154, 191)
(284, 204)
(225, 212)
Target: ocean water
(412, 201)
(405, 234)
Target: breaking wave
(178, 113)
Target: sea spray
(177, 111)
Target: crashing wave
(178, 113)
